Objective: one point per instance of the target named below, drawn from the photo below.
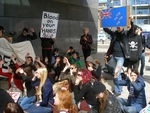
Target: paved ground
(109, 83)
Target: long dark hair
(13, 67)
(28, 70)
(12, 108)
(103, 101)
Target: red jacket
(17, 82)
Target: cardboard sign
(14, 95)
(115, 17)
(49, 25)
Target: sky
(102, 0)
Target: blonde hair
(57, 86)
(86, 28)
(65, 99)
(43, 77)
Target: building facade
(73, 16)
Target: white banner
(49, 25)
(18, 49)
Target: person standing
(25, 36)
(85, 41)
(142, 58)
(135, 48)
(119, 51)
(47, 49)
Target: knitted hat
(98, 87)
(25, 29)
(90, 59)
(135, 27)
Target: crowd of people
(63, 81)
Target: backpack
(147, 44)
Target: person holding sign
(119, 50)
(48, 33)
(85, 41)
(47, 50)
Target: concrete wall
(73, 16)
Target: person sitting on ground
(63, 100)
(25, 36)
(27, 100)
(94, 67)
(70, 73)
(44, 89)
(135, 85)
(83, 89)
(75, 59)
(5, 98)
(12, 108)
(106, 101)
(60, 64)
(2, 34)
(54, 55)
(28, 62)
(69, 52)
(14, 82)
(64, 85)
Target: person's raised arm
(37, 59)
(34, 36)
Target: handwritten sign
(49, 24)
(115, 17)
(14, 95)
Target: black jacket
(30, 89)
(84, 43)
(134, 44)
(86, 92)
(22, 38)
(4, 99)
(112, 105)
(123, 40)
(46, 43)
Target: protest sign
(14, 95)
(115, 17)
(49, 25)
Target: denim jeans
(26, 102)
(120, 62)
(39, 109)
(125, 107)
(142, 58)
